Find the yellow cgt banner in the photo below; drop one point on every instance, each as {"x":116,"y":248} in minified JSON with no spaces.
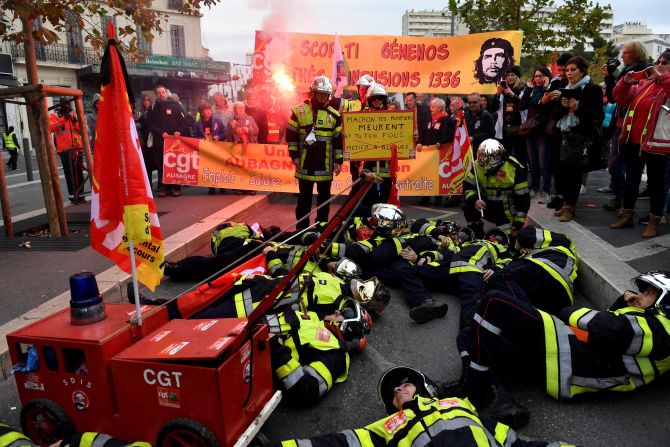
{"x":266,"y":167}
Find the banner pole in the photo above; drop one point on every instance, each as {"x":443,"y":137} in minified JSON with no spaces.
{"x":474,"y":170}
{"x":138,"y":308}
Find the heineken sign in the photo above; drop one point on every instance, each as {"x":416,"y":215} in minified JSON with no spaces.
{"x":183,"y":63}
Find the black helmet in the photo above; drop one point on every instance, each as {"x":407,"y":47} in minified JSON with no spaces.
{"x":465,"y":235}
{"x":497,"y":235}
{"x":399,"y":375}
{"x":450,"y":228}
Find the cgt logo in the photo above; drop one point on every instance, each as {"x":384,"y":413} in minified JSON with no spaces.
{"x":163,"y":378}
{"x":181,"y":162}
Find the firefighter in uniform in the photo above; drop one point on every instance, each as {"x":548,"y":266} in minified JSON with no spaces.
{"x":544,"y":274}
{"x":65,"y":127}
{"x":229,"y":242}
{"x":12,"y":146}
{"x":582,"y":350}
{"x":503,"y":183}
{"x":417,"y":416}
{"x":314,"y":138}
{"x":309,"y":355}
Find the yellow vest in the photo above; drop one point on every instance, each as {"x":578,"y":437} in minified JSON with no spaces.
{"x":9,"y":141}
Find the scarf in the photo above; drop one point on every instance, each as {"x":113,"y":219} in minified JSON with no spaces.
{"x":435,"y":118}
{"x":571,"y":120}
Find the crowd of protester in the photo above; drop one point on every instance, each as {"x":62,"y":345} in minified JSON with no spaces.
{"x":537,"y":118}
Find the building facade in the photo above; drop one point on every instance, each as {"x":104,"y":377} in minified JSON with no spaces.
{"x":440,"y":24}
{"x":655,"y":44}
{"x":176,"y":59}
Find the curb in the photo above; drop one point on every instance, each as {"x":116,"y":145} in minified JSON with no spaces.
{"x":602,"y":273}
{"x":112,"y":282}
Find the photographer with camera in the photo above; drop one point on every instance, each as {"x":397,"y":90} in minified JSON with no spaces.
{"x":634,"y":57}
{"x":508,"y":122}
{"x":65,"y":127}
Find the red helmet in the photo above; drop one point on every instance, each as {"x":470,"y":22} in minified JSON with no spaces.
{"x":351,"y":330}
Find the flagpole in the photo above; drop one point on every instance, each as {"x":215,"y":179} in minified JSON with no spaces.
{"x":138,"y":307}
{"x":474,"y":170}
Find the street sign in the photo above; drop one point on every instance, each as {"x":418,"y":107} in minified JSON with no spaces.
{"x":184,"y":63}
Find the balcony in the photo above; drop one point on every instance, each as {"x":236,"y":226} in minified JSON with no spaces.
{"x":62,"y":53}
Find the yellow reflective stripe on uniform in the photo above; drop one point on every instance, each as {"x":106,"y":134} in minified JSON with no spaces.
{"x":551,"y":354}
{"x":321,"y":373}
{"x":351,"y":438}
{"x":243,"y":303}
{"x":480,"y":435}
{"x":87,"y":439}
{"x":398,"y":244}
{"x":15,"y":439}
{"x":289,"y":443}
{"x":501,"y":434}
{"x":290,"y":379}
{"x":99,"y":440}
{"x":140,"y":444}
{"x":558,"y":273}
{"x":576,"y":319}
{"x":274,"y":264}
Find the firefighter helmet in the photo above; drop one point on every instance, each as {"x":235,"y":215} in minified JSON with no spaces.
{"x":366,"y":80}
{"x":399,"y":375}
{"x":491,"y":154}
{"x":371,"y":293}
{"x":347,"y":269}
{"x":659,"y":281}
{"x":354,"y":326}
{"x":497,"y":235}
{"x":389,"y":217}
{"x":321,"y":84}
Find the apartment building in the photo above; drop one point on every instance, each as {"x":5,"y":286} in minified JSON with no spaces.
{"x":176,"y":58}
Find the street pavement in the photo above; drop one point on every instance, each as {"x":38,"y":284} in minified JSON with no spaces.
{"x":603,"y":420}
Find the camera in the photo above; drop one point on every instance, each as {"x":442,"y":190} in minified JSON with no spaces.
{"x":503,"y":84}
{"x":612,"y":65}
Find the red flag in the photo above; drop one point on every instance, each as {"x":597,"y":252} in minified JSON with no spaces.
{"x":122,"y":205}
{"x":455,"y":160}
{"x":394,"y":196}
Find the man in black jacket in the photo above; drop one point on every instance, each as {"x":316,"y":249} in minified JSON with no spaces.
{"x":480,"y":122}
{"x":422,"y":113}
{"x":167,"y":118}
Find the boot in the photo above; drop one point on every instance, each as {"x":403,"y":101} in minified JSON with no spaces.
{"x":625,"y":221}
{"x":568,"y":213}
{"x":429,"y":309}
{"x":652,"y":227}
{"x":558,"y":212}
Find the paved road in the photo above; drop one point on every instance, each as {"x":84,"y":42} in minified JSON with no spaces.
{"x":638,"y":418}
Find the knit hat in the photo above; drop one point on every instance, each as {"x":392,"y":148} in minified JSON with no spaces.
{"x":544,"y":70}
{"x":514,"y":69}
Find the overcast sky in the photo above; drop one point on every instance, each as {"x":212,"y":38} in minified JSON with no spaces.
{"x":228,"y":28}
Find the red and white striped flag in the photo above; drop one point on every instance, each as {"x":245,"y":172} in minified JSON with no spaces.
{"x":122,"y":205}
{"x":455,"y":160}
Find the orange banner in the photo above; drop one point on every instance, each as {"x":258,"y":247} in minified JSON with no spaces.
{"x":461,"y":64}
{"x":266,"y":167}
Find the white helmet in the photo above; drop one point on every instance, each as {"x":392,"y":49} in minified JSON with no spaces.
{"x":491,"y":154}
{"x":376,"y":90}
{"x":389,"y":217}
{"x":365,"y":80}
{"x":347,"y":269}
{"x":659,"y":281}
{"x":321,"y":84}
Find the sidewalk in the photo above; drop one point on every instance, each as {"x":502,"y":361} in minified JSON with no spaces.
{"x":35,"y":283}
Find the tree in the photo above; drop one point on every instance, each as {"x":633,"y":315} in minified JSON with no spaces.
{"x":581,"y":20}
{"x":40,"y":21}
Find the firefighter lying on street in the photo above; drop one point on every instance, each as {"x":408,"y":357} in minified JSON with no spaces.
{"x":582,"y":350}
{"x":13,"y":438}
{"x":229,"y":242}
{"x":418,"y":417}
{"x":321,"y":292}
{"x":545,"y":272}
{"x":503,"y":184}
{"x":310,"y":355}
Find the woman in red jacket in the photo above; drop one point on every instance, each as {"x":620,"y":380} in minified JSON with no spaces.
{"x":645,"y":137}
